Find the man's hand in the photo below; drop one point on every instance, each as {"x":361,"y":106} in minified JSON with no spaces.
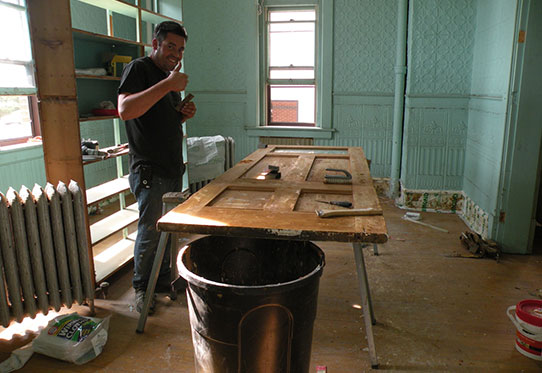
{"x":177,"y":81}
{"x":188,"y":110}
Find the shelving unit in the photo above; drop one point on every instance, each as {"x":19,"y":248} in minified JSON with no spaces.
{"x":95,"y":118}
{"x":99,"y":77}
{"x":107,"y":190}
{"x":108,"y":27}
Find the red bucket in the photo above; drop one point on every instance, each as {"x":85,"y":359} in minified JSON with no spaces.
{"x":528,"y":321}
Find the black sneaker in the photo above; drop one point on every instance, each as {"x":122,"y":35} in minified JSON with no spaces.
{"x":140,"y":300}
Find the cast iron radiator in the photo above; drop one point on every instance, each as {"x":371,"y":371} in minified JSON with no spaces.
{"x":202,"y":170}
{"x":45,"y":261}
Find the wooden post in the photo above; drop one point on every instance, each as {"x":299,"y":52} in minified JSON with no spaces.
{"x":52,"y":47}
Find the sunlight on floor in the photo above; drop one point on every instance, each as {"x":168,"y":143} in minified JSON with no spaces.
{"x":27,"y":325}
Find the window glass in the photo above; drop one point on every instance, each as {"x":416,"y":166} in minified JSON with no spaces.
{"x":291,"y":44}
{"x":291,"y":54}
{"x":16,"y":73}
{"x":15,"y":119}
{"x":14,"y":36}
{"x":291,"y":104}
{"x":288,"y":73}
{"x":292,"y":15}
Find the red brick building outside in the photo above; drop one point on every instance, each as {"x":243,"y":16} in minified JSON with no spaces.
{"x":284,"y":111}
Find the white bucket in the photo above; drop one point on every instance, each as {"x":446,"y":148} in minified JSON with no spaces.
{"x":528,"y":321}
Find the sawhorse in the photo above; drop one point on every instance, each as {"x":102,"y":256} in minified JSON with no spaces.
{"x":169,"y":201}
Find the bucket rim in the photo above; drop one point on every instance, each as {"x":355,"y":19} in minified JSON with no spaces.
{"x":524,"y":315}
{"x":200,"y":281}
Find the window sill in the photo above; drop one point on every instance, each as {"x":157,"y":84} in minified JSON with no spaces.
{"x":283,"y":131}
{"x":19,"y":147}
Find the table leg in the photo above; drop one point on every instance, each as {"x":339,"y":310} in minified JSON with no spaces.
{"x":366,"y":304}
{"x":153,"y":278}
{"x":173,"y":251}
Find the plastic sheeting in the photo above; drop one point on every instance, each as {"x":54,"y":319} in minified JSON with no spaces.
{"x":206,"y":157}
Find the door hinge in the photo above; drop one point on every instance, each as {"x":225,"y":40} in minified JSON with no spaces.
{"x":502,"y":216}
{"x":521,"y":36}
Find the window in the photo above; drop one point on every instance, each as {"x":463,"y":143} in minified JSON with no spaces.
{"x":290,"y":72}
{"x":17,"y":88}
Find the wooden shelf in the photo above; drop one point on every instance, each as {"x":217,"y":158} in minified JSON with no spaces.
{"x":85,"y":43}
{"x":155,"y":18}
{"x":100,"y":117}
{"x":87,"y":35}
{"x":114,"y":257}
{"x":107,"y":190}
{"x":113,"y":223}
{"x":98,"y":77}
{"x":116,"y":6}
{"x":112,"y":155}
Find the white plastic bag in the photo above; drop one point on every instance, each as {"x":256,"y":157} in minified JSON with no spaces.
{"x":73,"y":338}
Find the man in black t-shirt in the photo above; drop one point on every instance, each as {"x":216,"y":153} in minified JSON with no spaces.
{"x":149,"y":103}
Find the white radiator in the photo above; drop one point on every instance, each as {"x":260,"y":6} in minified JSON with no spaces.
{"x":45,"y":261}
{"x":202,"y":168}
{"x":286,"y":141}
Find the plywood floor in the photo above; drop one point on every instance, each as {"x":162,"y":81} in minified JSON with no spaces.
{"x":434,"y":313}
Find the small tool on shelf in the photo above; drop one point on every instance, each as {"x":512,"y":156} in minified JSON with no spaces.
{"x":346,"y":204}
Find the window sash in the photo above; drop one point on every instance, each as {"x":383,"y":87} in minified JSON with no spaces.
{"x":15,"y":82}
{"x":289,"y":81}
{"x":24,"y":83}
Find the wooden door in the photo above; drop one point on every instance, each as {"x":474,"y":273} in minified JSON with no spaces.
{"x":244,"y":202}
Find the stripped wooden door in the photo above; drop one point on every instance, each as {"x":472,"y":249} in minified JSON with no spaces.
{"x":245,"y":202}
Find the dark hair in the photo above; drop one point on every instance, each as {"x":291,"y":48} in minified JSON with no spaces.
{"x":161,"y":30}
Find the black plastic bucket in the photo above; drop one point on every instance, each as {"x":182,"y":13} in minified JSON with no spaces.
{"x":252,"y":303}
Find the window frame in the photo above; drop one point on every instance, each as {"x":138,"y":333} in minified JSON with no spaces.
{"x":267,"y":82}
{"x":34,"y":123}
{"x":30,"y":92}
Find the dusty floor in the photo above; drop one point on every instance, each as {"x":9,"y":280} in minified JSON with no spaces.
{"x":434,"y":313}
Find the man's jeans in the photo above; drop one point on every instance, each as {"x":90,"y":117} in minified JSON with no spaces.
{"x":150,"y":210}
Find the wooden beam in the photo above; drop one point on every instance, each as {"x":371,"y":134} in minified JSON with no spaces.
{"x":52,"y":47}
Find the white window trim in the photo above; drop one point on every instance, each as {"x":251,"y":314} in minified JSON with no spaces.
{"x":324,"y":80}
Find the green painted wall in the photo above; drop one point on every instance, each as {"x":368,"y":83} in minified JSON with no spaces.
{"x":221,"y":54}
{"x":523,"y":144}
{"x":440,"y":48}
{"x":23,"y":166}
{"x":221,"y":50}
{"x":363,"y":78}
{"x":493,"y":45}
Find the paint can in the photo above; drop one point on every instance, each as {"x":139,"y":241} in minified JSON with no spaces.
{"x":527,"y":317}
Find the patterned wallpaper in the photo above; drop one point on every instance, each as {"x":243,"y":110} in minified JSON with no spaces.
{"x":364,"y":45}
{"x":217,"y":61}
{"x":440,"y":46}
{"x":221,"y":35}
{"x":493,"y":41}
